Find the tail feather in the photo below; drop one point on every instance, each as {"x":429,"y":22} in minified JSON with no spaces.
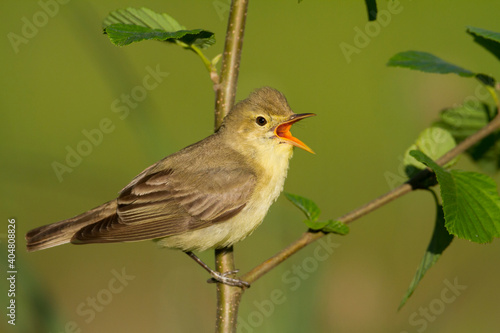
{"x":61,"y":232}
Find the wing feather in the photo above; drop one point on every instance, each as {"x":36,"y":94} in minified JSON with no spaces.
{"x":171,"y":201}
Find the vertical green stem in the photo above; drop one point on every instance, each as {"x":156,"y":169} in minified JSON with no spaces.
{"x":226,"y":90}
{"x":228,"y":298}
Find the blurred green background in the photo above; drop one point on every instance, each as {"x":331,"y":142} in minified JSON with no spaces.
{"x":66,"y":77}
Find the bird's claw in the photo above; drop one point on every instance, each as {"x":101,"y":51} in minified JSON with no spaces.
{"x":223,"y":278}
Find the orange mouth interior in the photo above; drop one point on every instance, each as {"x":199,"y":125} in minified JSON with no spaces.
{"x":283,"y":131}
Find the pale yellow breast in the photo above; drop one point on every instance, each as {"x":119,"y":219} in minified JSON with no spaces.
{"x":274,"y":164}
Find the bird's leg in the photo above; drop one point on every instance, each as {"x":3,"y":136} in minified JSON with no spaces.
{"x":219,"y":277}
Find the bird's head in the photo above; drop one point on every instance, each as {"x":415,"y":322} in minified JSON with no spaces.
{"x":264,"y":120}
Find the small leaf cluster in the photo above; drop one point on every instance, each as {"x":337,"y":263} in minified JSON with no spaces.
{"x":470,"y":207}
{"x":126,"y":26}
{"x":130,"y":25}
{"x":312,"y":212}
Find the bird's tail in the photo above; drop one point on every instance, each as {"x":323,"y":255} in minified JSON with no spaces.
{"x":62,"y":232}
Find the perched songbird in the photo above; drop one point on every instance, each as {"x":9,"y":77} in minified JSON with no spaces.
{"x":211,"y":194}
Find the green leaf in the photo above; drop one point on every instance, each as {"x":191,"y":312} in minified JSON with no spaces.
{"x":478,"y":216}
{"x":490,"y":40}
{"x":371,"y":8}
{"x":427,"y":62}
{"x":125,"y":34}
{"x":144,"y":17}
{"x":491,"y":35}
{"x":336,"y":227}
{"x":312,"y":211}
{"x":471,"y":202}
{"x":329,"y":226}
{"x":440,"y":240}
{"x":308,"y":207}
{"x":486,"y":80}
{"x":125,"y":26}
{"x":203,"y":39}
{"x":434,"y":142}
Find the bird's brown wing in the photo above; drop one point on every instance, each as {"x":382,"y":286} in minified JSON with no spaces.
{"x":173,"y":201}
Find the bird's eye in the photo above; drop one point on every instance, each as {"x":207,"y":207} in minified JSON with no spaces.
{"x":261,"y":121}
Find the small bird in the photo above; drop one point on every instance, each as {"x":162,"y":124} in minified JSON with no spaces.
{"x":208,"y":195}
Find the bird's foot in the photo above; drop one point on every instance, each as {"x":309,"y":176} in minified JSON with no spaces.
{"x":224,"y":278}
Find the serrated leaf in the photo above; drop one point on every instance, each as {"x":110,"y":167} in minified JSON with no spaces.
{"x":308,"y":207}
{"x":125,"y":34}
{"x":440,"y":240}
{"x":125,"y":26}
{"x":476,"y":194}
{"x":434,"y":142}
{"x":427,"y":62}
{"x":490,"y":40}
{"x":471,"y":202}
{"x":144,"y":17}
{"x":329,"y":226}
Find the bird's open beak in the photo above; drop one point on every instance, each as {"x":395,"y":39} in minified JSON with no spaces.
{"x":283,"y":131}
